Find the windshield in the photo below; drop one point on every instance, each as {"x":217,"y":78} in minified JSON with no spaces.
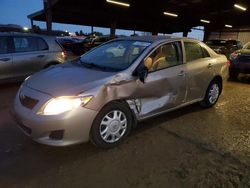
{"x":117,"y":55}
{"x":247,"y":46}
{"x":216,"y":43}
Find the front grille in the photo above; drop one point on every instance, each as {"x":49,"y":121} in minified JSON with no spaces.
{"x":28,"y":102}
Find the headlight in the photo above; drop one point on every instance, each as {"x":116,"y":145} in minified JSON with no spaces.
{"x":63,"y":104}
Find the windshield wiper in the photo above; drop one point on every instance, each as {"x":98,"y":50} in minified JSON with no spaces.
{"x":93,"y":65}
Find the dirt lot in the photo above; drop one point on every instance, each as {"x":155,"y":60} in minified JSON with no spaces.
{"x":190,"y":147}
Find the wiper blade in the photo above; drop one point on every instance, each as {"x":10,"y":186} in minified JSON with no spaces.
{"x":93,"y":65}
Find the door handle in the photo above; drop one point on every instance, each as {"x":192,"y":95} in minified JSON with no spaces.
{"x":182,"y":73}
{"x":40,"y":56}
{"x":5,"y":59}
{"x":209,"y":65}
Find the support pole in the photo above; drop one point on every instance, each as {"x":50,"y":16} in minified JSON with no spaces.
{"x":112,"y":30}
{"x":31,"y":23}
{"x":206,"y":34}
{"x":48,"y":13}
{"x":154,"y":33}
{"x":92,"y":30}
{"x":185,"y":33}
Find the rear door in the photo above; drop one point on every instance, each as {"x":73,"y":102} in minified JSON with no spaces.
{"x":6,"y":67}
{"x":30,"y":54}
{"x":199,"y":69}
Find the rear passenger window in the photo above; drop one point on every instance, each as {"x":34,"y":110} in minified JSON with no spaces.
{"x":42,"y":45}
{"x":25,"y":44}
{"x":194,"y":51}
{"x":3,"y":45}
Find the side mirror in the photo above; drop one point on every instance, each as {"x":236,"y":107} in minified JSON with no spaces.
{"x":142,"y":73}
{"x":143,"y":70}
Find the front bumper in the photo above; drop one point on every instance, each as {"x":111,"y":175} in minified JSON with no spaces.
{"x":58,"y":130}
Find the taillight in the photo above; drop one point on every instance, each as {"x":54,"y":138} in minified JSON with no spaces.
{"x":64,"y":54}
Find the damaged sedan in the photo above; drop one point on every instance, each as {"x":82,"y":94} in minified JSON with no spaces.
{"x":103,"y":94}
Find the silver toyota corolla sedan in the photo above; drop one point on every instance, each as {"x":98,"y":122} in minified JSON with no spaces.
{"x":101,"y":95}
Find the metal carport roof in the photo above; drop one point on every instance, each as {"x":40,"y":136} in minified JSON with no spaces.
{"x":147,"y":15}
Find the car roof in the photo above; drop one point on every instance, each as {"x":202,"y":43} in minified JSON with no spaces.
{"x":24,"y":34}
{"x":151,"y":38}
{"x":157,"y":39}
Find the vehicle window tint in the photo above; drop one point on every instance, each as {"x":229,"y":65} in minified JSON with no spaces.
{"x":25,"y":44}
{"x":165,"y":56}
{"x":3,"y":45}
{"x":193,"y":51}
{"x":42,"y":45}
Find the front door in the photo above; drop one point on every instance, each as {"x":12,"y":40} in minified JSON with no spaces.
{"x":165,"y":85}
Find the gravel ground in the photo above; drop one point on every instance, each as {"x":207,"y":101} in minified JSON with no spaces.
{"x":190,"y":147}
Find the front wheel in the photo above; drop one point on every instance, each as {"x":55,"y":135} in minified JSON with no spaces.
{"x":212,"y":94}
{"x":111,"y":126}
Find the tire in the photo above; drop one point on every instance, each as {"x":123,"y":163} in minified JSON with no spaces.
{"x":111,"y":125}
{"x":212,"y":94}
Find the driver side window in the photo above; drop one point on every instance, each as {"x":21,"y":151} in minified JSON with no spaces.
{"x":166,"y":56}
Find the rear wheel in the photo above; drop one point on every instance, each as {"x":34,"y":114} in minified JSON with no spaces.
{"x":212,"y":94}
{"x":111,"y":126}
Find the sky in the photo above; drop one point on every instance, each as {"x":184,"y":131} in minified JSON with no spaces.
{"x":16,"y":11}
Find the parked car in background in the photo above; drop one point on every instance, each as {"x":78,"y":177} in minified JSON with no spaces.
{"x":225,"y":47}
{"x":23,"y":54}
{"x":75,"y":47}
{"x":98,"y":40}
{"x":101,"y":95}
{"x":240,"y":61}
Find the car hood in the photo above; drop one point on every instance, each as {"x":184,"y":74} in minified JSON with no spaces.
{"x":244,"y":51}
{"x":68,"y":79}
